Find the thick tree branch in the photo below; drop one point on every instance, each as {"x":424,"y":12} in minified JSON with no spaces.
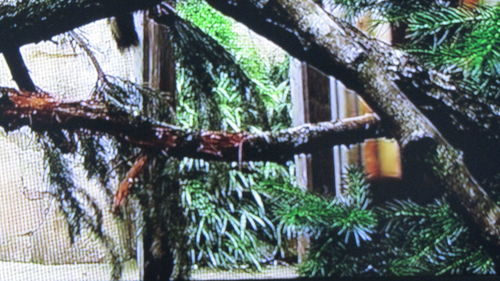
{"x":468,"y":123}
{"x":33,"y":21}
{"x":43,"y":113}
{"x":395,"y":87}
{"x":390,"y":82}
{"x":18,"y":69}
{"x":308,"y":33}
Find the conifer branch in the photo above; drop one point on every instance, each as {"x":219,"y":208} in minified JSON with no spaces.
{"x":41,"y":112}
{"x":397,"y":88}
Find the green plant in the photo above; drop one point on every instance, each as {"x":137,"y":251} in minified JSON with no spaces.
{"x":431,"y":239}
{"x":460,"y":41}
{"x":224,"y":86}
{"x":228,"y":217}
{"x":338,"y":227}
{"x":402,"y":238}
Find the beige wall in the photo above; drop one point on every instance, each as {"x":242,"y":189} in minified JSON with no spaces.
{"x":33,"y":230}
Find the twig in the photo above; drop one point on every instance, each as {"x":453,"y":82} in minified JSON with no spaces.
{"x":33,"y":195}
{"x":126,"y":183}
{"x":46,"y":212}
{"x":85,"y":47}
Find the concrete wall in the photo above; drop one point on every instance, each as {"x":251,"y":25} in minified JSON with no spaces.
{"x":31,"y":228}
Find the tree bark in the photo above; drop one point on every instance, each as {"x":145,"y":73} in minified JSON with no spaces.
{"x":336,"y":48}
{"x":308,"y":33}
{"x":18,"y":69}
{"x":43,"y":113}
{"x":34,"y":21}
{"x":398,"y":89}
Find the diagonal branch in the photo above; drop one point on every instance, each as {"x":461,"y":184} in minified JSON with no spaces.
{"x":34,"y":21}
{"x":394,"y":86}
{"x":307,"y":32}
{"x":43,"y":113}
{"x":397,"y":88}
{"x":18,"y":69}
{"x":130,"y":178}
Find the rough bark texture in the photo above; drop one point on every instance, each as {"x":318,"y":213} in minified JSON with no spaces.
{"x":307,"y":32}
{"x":394,"y":87}
{"x":41,"y":112}
{"x":304,"y":30}
{"x":399,"y":90}
{"x":33,"y":21}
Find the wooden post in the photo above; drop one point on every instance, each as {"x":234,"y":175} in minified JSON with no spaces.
{"x":154,"y":256}
{"x":311,"y":103}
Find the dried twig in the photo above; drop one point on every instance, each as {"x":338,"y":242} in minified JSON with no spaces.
{"x":126,"y":183}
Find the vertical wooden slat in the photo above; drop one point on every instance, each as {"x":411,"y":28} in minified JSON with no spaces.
{"x":311,"y":103}
{"x":155,"y":259}
{"x":318,"y":93}
{"x":337,"y":112}
{"x":300,"y":109}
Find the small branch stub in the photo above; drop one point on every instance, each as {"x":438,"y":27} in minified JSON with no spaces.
{"x":130,"y":178}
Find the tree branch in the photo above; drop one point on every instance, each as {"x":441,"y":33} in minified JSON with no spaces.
{"x":398,"y":89}
{"x":19,"y":71}
{"x":336,"y":48}
{"x":391,"y":83}
{"x":131,"y":176}
{"x":33,"y":21}
{"x":43,"y":113}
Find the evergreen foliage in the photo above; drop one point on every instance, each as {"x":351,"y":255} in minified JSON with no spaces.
{"x":339,"y":227}
{"x":80,"y":210}
{"x":430,"y":240}
{"x":400,"y":238}
{"x":226,"y":211}
{"x":460,"y":41}
{"x":107,"y":159}
{"x":228,"y":217}
{"x":241,"y":213}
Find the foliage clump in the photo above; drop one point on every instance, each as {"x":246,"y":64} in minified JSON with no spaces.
{"x":229,"y":87}
{"x":458,"y":40}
